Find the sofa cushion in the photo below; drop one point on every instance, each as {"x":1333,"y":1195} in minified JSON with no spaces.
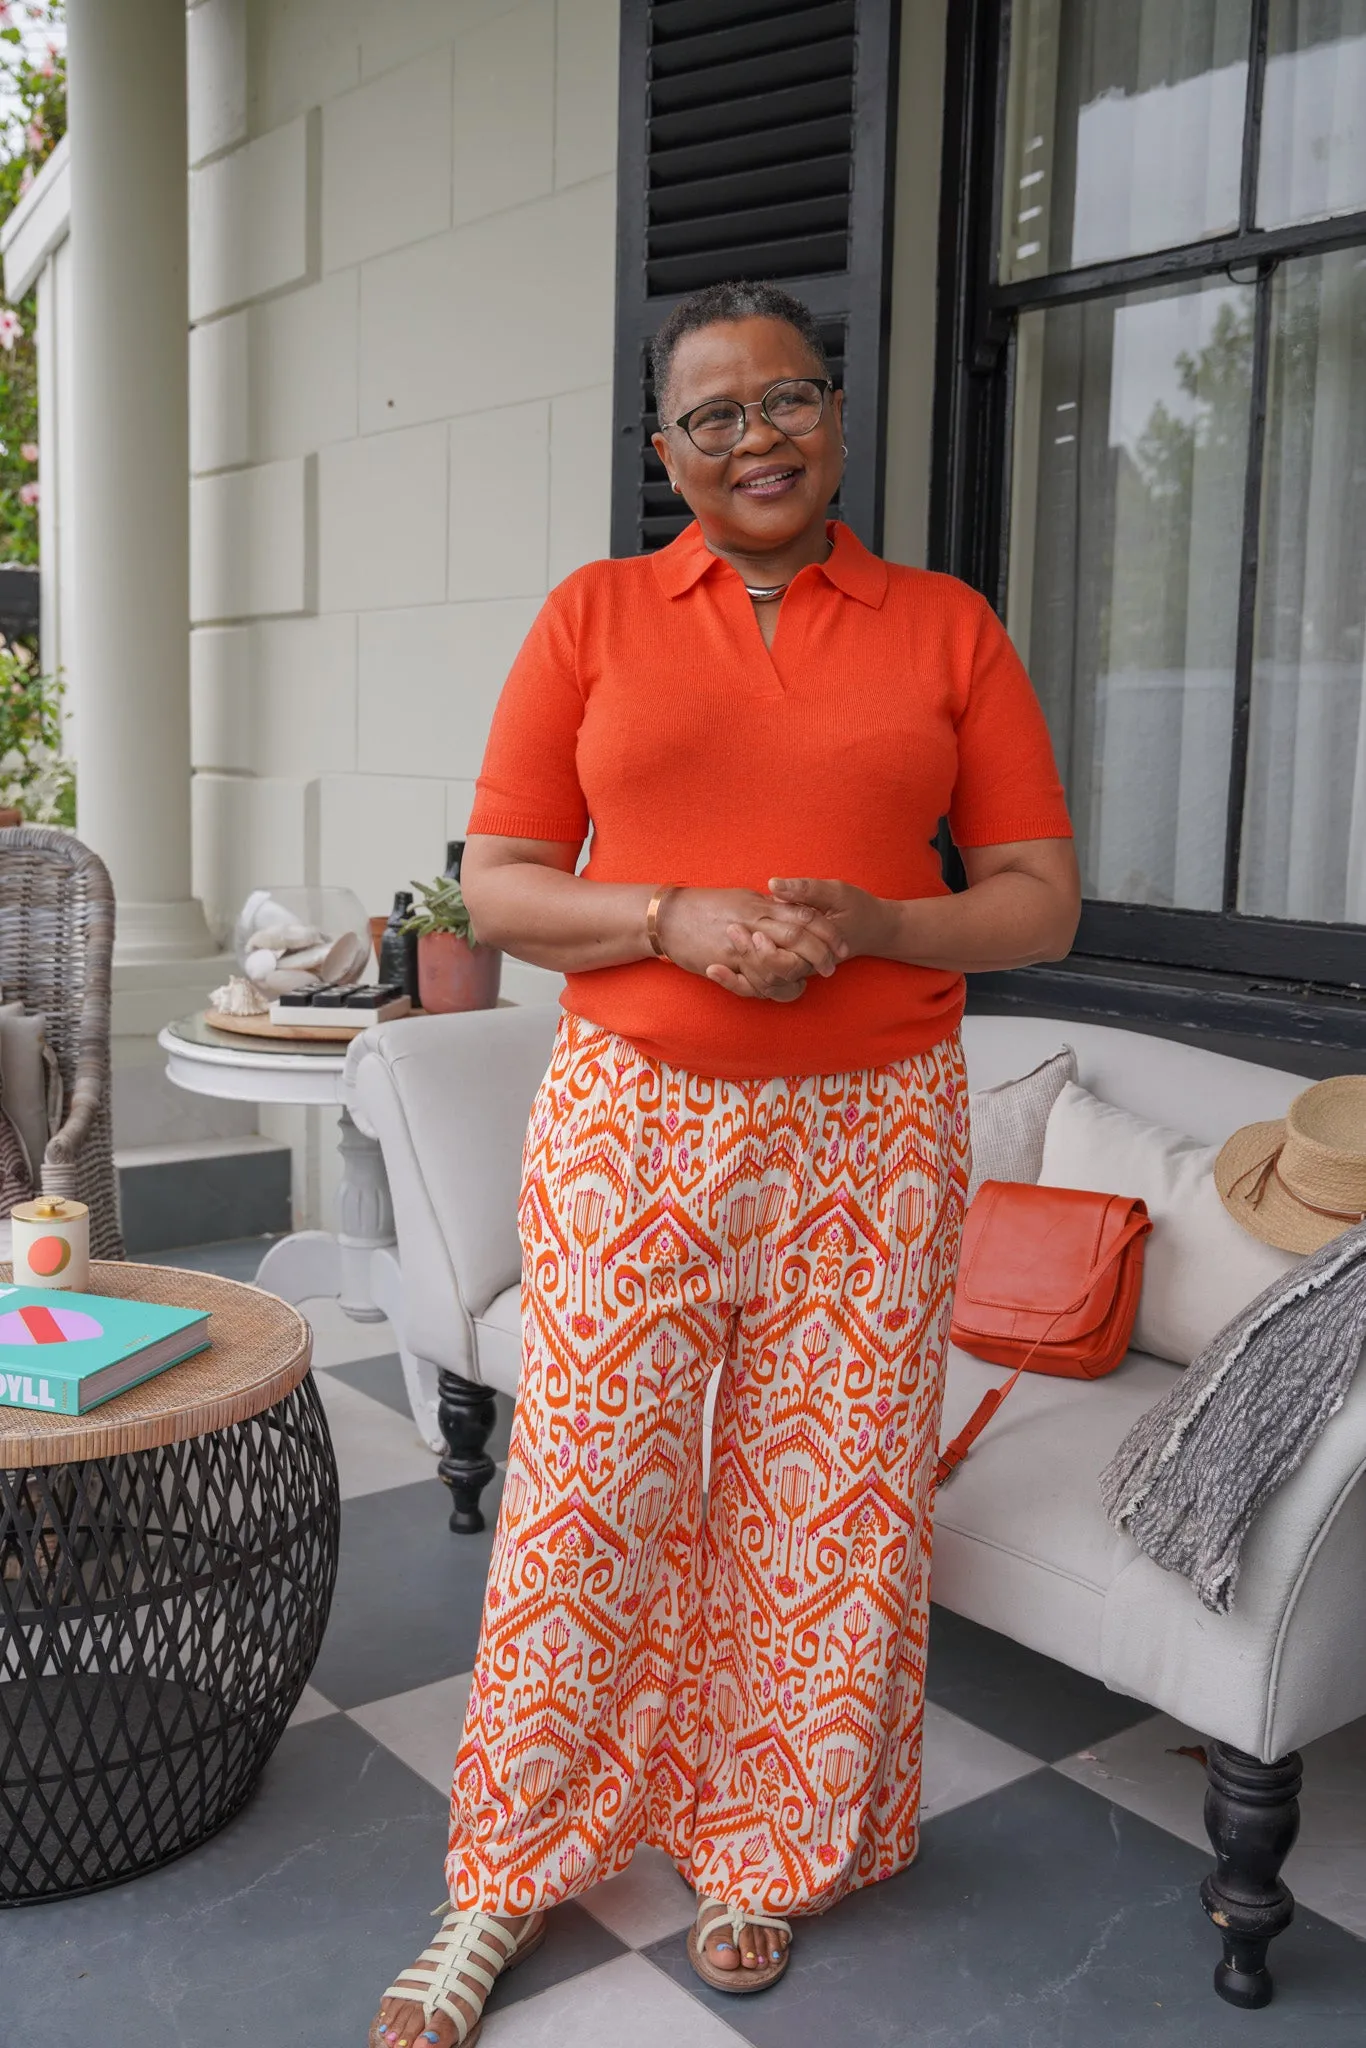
{"x":25,"y":1081}
{"x":1009,"y":1121}
{"x":1021,"y":1540}
{"x":1199,"y":1267}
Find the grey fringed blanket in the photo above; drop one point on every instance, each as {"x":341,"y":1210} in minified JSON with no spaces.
{"x":1192,"y":1473}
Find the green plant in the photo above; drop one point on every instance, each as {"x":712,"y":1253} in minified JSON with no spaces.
{"x":443,"y":910}
{"x":34,"y":779}
{"x":32,"y":123}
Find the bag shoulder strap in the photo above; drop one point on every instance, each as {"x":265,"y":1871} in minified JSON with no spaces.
{"x":953,"y":1454}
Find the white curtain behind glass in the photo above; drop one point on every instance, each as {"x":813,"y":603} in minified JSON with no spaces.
{"x":1304,"y":851}
{"x":1313,"y":156}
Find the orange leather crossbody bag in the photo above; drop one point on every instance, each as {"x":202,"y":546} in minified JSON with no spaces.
{"x":1048,"y":1281}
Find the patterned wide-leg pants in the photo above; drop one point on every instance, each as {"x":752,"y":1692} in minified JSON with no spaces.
{"x":740,"y":1682}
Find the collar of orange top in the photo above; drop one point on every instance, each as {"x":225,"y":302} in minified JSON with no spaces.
{"x":849,"y":566}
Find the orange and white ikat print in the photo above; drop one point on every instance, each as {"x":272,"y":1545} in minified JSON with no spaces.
{"x":742,"y":1685}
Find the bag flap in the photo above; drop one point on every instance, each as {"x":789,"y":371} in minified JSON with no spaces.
{"x":1029,"y":1255}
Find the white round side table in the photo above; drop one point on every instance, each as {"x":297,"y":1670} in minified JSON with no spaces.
{"x":307,"y":1263}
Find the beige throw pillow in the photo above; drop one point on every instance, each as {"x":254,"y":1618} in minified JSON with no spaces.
{"x":1008,"y":1121}
{"x":1199,"y":1267}
{"x":25,"y":1081}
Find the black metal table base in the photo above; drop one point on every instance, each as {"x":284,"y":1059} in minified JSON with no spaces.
{"x":160,"y":1612}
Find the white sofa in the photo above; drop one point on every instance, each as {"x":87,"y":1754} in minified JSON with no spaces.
{"x":1021,"y":1543}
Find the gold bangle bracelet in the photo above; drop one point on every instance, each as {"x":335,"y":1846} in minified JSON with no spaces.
{"x":652,"y":919}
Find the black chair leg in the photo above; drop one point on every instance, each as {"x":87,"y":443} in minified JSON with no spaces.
{"x":467,"y":1414}
{"x":1252,"y":1817}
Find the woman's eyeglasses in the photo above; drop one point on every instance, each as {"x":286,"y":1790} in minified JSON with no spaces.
{"x":793,"y":408}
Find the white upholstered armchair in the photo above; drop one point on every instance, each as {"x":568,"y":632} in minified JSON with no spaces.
{"x":1021,"y":1545}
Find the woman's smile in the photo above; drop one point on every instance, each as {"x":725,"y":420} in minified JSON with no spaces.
{"x":770,"y":479}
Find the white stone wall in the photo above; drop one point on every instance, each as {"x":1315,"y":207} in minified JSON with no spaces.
{"x":402,"y":281}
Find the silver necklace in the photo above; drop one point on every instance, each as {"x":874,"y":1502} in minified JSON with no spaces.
{"x":769,"y":593}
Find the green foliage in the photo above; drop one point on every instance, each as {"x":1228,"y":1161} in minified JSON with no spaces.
{"x":33,"y":81}
{"x":34,"y":779}
{"x":443,"y":910}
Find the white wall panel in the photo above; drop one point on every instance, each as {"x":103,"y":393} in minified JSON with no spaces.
{"x":220,"y":436}
{"x":500,"y":481}
{"x":386,"y":177}
{"x":516,"y":307}
{"x":249,"y":221}
{"x":580,"y":479}
{"x":505,"y":112}
{"x":587,"y":41}
{"x":247,"y":832}
{"x":276,"y":697}
{"x":302,"y":368}
{"x":377,"y":833}
{"x":303,"y":53}
{"x":216,"y":68}
{"x":393,"y":31}
{"x":382,"y":520}
{"x":251,"y":548}
{"x":429,"y":680}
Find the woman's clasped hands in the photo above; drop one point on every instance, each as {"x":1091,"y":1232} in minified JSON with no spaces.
{"x":770,"y":945}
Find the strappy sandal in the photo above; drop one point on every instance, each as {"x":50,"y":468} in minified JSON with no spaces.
{"x":470,"y":1946}
{"x":709,"y":1912}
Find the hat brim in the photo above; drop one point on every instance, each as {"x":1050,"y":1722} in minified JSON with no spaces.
{"x":1277,"y":1219}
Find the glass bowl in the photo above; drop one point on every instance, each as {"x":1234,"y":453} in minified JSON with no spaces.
{"x":296,"y":935}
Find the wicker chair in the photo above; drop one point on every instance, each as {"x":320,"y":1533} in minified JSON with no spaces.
{"x":56,"y":949}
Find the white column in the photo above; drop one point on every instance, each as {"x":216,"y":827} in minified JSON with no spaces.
{"x":129,"y":666}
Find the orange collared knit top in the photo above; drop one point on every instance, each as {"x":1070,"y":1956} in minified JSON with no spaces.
{"x":644,"y":703}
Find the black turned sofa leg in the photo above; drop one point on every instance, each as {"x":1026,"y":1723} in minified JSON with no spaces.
{"x":467,"y":1414}
{"x":1252,"y":1817}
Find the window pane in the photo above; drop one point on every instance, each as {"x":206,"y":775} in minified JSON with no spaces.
{"x":1313,"y":112}
{"x":1131,"y":420}
{"x":1304,"y":827}
{"x":1124,"y":128}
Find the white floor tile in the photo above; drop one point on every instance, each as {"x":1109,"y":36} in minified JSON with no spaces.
{"x":422,"y":1727}
{"x":376,"y":1446}
{"x":962,"y":1762}
{"x":646,"y":1902}
{"x":337,"y":1340}
{"x":1326,"y":1870}
{"x":312,"y":1706}
{"x":622,"y":2004}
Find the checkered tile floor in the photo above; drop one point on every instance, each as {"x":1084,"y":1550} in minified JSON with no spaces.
{"x":1053,"y":1906}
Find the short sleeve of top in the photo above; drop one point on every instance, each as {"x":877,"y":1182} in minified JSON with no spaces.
{"x":1007,"y":785}
{"x":529,"y":784}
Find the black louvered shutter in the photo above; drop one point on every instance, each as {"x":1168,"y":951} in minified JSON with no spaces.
{"x":756,"y":142}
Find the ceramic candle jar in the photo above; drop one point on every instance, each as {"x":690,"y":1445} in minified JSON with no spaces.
{"x":52,"y":1243}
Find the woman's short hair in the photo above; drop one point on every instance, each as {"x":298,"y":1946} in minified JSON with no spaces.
{"x":737,"y":300}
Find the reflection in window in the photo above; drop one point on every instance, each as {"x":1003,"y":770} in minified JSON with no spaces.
{"x":1313,"y":160}
{"x":1131,"y":423}
{"x":1304,"y":829}
{"x":1124,"y":128}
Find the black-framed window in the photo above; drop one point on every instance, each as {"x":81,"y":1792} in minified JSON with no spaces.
{"x":1152,"y":449}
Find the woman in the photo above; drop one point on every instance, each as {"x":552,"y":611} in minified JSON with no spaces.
{"x":750,"y":1151}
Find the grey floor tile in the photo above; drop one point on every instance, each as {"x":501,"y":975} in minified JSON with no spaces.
{"x":423,"y":1726}
{"x":645,"y":1901}
{"x":574,"y":1942}
{"x":624,"y":2004}
{"x":962,"y":1762}
{"x":409,"y":1595}
{"x":1039,"y":1917}
{"x":285,"y":1928}
{"x":235,"y":1259}
{"x":375,"y":1448}
{"x":1028,"y":1700}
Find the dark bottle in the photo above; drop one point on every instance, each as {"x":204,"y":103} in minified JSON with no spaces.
{"x":455,"y":853}
{"x":398,"y":949}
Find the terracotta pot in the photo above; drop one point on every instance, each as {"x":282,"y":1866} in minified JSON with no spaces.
{"x":454,"y":976}
{"x":8,"y":818}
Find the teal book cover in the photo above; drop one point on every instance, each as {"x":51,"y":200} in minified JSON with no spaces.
{"x":67,"y":1352}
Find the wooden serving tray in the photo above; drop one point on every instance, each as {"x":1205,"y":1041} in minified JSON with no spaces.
{"x":262,"y":1027}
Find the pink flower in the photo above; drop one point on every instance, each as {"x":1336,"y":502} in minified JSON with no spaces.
{"x":37,"y":136}
{"x":29,"y":451}
{"x":28,"y":493}
{"x":11,"y":328}
{"x":4,"y":13}
{"x":26,"y":177}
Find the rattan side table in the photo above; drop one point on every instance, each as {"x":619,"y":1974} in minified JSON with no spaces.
{"x":166,"y":1569}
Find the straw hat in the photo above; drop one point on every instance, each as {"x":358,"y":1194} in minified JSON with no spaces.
{"x":1300,"y":1182}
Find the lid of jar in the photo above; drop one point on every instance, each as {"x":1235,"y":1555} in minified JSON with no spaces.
{"x":49,"y":1209}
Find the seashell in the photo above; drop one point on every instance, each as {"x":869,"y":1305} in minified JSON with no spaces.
{"x":283,"y":981}
{"x":305,"y":956}
{"x":260,"y":962}
{"x":239,"y":998}
{"x":344,"y":958}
